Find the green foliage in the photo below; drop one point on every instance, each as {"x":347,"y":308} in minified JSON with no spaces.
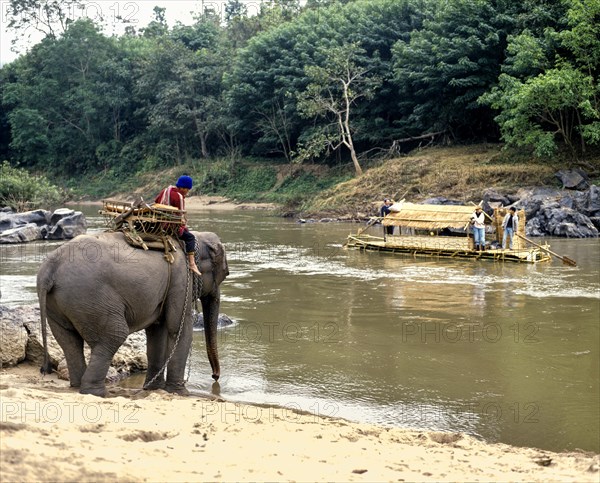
{"x":217,"y":177}
{"x":270,"y":73}
{"x":301,"y":186}
{"x":249,"y":182}
{"x":22,"y":191}
{"x":267,"y":83}
{"x":549,"y":94}
{"x":447,"y":64}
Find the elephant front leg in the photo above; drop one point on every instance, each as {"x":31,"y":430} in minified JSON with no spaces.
{"x":180,"y":348}
{"x":156,"y":350}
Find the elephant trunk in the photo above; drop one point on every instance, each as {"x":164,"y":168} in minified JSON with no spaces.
{"x":210,"y":309}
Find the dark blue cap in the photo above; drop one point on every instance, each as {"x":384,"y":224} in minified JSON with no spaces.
{"x":184,"y":182}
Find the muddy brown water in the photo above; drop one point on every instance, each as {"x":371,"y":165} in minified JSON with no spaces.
{"x":506,"y":352}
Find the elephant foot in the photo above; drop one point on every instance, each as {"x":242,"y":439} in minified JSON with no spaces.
{"x":158,"y":384}
{"x":95,"y":391}
{"x":177,"y":389}
{"x":154,"y":386}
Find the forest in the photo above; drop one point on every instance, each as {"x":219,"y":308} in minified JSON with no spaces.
{"x":319,"y":81}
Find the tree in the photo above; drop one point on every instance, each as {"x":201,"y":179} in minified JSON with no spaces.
{"x":49,"y":17}
{"x":271,"y":69}
{"x":445,"y":66}
{"x":332,"y":93}
{"x":158,"y":26}
{"x":549,"y":91}
{"x":276,"y":123}
{"x":66,"y":98}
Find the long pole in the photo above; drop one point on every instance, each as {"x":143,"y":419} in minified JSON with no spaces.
{"x":567,"y":260}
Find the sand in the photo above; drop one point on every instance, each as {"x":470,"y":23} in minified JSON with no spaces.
{"x":196,"y":203}
{"x":50,"y":432}
{"x":199,"y":203}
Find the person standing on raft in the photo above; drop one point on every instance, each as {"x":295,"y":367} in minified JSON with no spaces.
{"x":175,"y":196}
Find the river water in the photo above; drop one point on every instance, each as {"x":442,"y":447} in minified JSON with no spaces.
{"x":506,"y":352}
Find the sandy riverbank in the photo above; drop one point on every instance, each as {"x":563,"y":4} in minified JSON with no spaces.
{"x":49,"y":432}
{"x":196,"y":203}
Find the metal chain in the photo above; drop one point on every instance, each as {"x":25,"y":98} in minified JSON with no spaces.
{"x":181,"y":324}
{"x":197,"y":293}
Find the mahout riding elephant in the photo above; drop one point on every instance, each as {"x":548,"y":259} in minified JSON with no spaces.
{"x":98,"y":289}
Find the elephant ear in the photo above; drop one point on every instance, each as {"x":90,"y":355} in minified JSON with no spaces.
{"x":219,"y":260}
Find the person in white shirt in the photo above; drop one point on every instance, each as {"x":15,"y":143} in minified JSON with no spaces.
{"x":478,"y":222}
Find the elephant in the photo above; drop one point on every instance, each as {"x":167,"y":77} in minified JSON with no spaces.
{"x":98,"y":289}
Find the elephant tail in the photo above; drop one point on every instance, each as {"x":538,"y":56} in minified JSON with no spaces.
{"x":44,"y":285}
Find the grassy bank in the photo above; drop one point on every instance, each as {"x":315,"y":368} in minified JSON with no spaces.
{"x":460,"y":173}
{"x":288,"y":185}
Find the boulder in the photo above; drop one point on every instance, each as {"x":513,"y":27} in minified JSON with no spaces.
{"x":30,"y":318}
{"x":440,"y":200}
{"x":59,"y":214}
{"x":39,"y":217}
{"x":589,"y":202}
{"x":494,"y":198}
{"x":222,"y":321}
{"x":131,"y":356}
{"x":7,"y":221}
{"x":534,"y":227}
{"x":595,"y":221}
{"x":62,"y":224}
{"x":10,"y":220}
{"x":21,"y":234}
{"x":569,"y":223}
{"x":13,"y":338}
{"x":68,"y":227}
{"x":573,"y":179}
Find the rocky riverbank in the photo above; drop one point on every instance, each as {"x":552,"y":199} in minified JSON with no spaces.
{"x":60,"y":224}
{"x":21,"y":341}
{"x":550,"y":211}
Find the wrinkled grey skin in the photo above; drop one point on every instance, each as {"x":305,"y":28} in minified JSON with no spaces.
{"x":98,"y":289}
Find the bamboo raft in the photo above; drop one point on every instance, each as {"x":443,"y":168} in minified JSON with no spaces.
{"x":443,"y":231}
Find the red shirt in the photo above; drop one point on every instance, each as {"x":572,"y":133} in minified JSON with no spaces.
{"x":171,"y":196}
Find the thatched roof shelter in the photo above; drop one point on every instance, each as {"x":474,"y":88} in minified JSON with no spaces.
{"x":429,"y":217}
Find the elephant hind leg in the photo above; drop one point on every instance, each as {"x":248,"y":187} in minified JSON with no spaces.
{"x":72,"y":345}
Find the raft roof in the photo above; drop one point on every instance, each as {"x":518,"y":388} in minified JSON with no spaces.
{"x":429,"y":217}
